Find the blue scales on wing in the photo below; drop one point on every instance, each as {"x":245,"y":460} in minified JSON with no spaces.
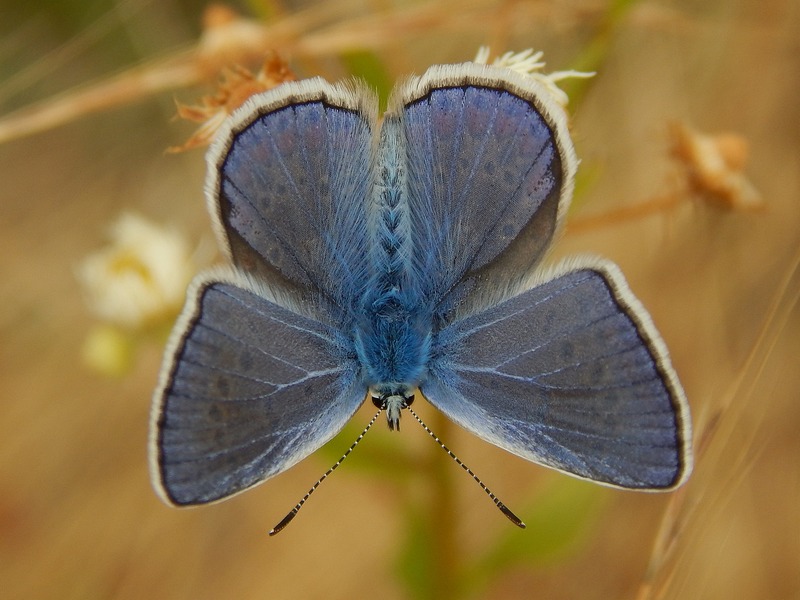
{"x":487,"y":179}
{"x":254,"y":389}
{"x":289,"y":183}
{"x":569,"y":374}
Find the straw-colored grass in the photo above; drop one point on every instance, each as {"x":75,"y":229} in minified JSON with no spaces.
{"x":85,"y":119}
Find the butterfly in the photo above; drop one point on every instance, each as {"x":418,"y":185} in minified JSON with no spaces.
{"x":392,"y":258}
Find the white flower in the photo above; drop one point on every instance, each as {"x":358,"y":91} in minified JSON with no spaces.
{"x":529,"y":63}
{"x":141,"y":277}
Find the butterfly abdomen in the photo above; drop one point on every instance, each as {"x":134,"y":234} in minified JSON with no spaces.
{"x":393,"y":329}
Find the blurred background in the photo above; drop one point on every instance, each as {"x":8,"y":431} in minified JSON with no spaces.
{"x":690,"y":180}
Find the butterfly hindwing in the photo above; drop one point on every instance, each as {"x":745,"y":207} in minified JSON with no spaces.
{"x":570,"y":374}
{"x":248,"y":389}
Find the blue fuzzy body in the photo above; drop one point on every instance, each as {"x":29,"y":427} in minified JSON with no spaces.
{"x":393,"y":327}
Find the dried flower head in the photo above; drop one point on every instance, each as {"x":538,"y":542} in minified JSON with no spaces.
{"x":141,"y":277}
{"x":530,"y":64}
{"x":714,"y":166}
{"x":237,"y":85}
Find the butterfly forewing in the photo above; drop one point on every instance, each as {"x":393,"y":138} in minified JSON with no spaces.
{"x":288,"y":182}
{"x":489,"y":175}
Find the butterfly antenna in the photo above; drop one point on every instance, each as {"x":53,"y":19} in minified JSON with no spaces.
{"x":498,"y":503}
{"x":292,"y":513}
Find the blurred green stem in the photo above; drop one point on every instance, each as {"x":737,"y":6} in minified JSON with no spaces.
{"x":595,"y":53}
{"x":445,"y":555}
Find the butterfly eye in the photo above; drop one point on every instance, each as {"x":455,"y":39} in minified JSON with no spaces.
{"x":381,"y":400}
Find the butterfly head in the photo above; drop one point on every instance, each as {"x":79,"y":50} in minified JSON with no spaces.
{"x":392,"y":399}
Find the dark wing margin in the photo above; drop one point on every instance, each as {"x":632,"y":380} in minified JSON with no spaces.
{"x":288,"y":185}
{"x":570,"y":374}
{"x":248,"y":389}
{"x":490,"y":168}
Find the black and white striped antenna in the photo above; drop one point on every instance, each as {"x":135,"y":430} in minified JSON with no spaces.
{"x":497,"y":502}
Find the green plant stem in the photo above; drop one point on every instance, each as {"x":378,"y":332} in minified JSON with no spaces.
{"x":596,"y":52}
{"x":446,"y":557}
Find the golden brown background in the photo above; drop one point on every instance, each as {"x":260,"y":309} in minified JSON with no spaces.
{"x":78,"y":518}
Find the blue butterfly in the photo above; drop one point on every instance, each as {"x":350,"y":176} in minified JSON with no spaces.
{"x":386,"y":259}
